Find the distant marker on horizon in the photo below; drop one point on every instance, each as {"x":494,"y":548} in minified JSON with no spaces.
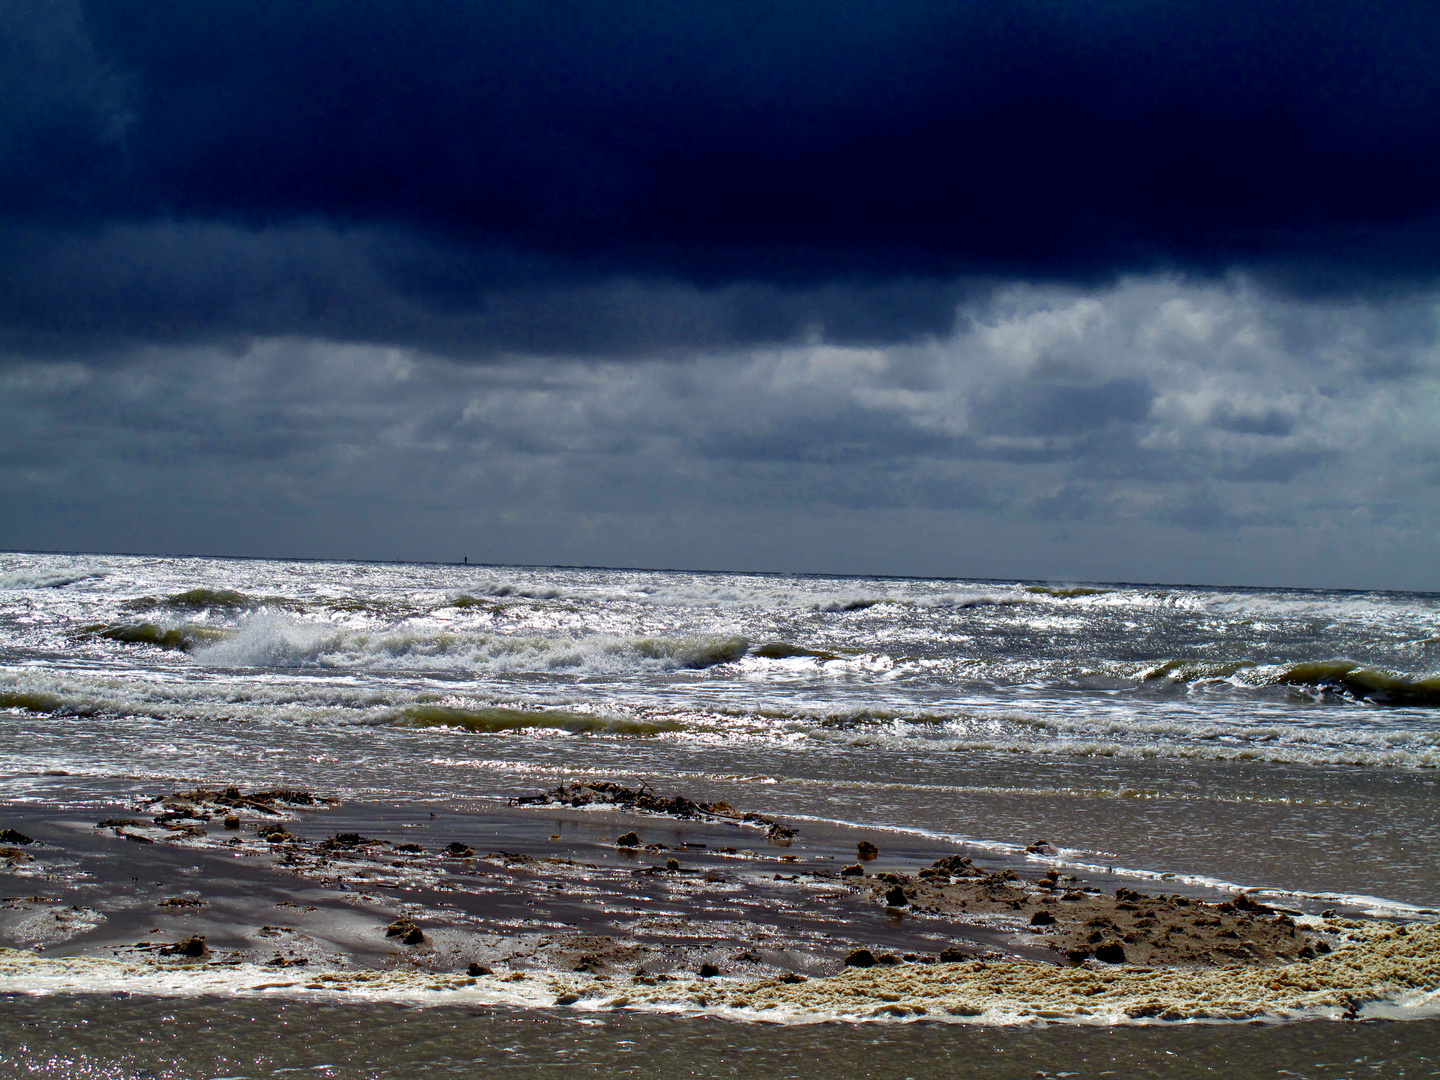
{"x":467,"y":560}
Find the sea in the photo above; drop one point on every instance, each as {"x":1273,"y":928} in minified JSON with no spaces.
{"x":1283,"y":740}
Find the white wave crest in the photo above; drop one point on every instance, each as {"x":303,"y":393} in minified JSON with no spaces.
{"x":504,"y":589}
{"x":48,"y":579}
{"x":276,"y":641}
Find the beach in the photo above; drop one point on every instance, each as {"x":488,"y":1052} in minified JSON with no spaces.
{"x":553,"y":539}
{"x":750,"y":816}
{"x":186,"y":956}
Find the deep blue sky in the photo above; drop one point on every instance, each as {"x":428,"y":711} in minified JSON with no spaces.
{"x":1120,"y":290}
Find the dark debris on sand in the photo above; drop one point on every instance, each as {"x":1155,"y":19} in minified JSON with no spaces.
{"x":217,"y":802}
{"x":187,"y":812}
{"x":407,"y":931}
{"x":1082,"y":923}
{"x":192,"y":947}
{"x":609,"y":793}
{"x":741,"y":912}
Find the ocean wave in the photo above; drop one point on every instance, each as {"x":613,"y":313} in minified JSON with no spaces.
{"x":383,"y":607}
{"x":48,"y":579}
{"x":36,"y":701}
{"x":1346,"y":679}
{"x":1055,"y":733}
{"x":199,"y":599}
{"x":497,"y":720}
{"x":752,"y":595}
{"x":182,"y":638}
{"x":271,"y":641}
{"x":1374,"y":685}
{"x":1066,"y":592}
{"x":303,"y":701}
{"x":957,"y":601}
{"x":852,"y":603}
{"x":1068,"y":733}
{"x":466,"y":602}
{"x":1190,"y":671}
{"x":1097,"y":745}
{"x":973,"y":600}
{"x":474,"y":594}
{"x":783,"y":650}
{"x":327,"y":706}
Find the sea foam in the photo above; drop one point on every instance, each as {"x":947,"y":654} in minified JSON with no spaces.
{"x":1382,"y":973}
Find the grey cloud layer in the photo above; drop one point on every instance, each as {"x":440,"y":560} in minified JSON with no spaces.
{"x":1100,"y":434}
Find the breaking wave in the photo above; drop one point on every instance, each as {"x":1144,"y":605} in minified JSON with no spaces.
{"x":268,"y":641}
{"x":955,"y":601}
{"x":973,"y":600}
{"x":1363,"y":683}
{"x":1345,"y":679}
{"x":181,"y":638}
{"x":201,"y":599}
{"x":853,"y":603}
{"x":36,"y":579}
{"x":496,"y":589}
{"x":1123,"y":734}
{"x":1097,"y":745}
{"x":784,"y":650}
{"x":1067,"y":592}
{"x":31,"y":701}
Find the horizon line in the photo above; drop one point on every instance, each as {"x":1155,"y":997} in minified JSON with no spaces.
{"x":681,"y":570}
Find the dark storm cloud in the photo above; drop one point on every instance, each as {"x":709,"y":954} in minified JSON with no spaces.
{"x":169,"y":281}
{"x":570,"y":176}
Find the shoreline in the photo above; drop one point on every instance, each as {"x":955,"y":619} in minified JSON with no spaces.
{"x":62,"y":1038}
{"x":541,"y":906}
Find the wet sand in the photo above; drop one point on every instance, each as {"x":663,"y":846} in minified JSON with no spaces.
{"x":683,"y":892}
{"x":605,"y":907}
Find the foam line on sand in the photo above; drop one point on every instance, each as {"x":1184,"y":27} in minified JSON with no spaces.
{"x":1383,"y":972}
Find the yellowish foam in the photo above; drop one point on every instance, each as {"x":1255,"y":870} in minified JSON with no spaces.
{"x":1382,"y":971}
{"x":1398,"y":969}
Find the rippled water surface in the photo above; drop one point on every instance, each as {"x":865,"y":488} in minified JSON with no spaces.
{"x":76,"y":1038}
